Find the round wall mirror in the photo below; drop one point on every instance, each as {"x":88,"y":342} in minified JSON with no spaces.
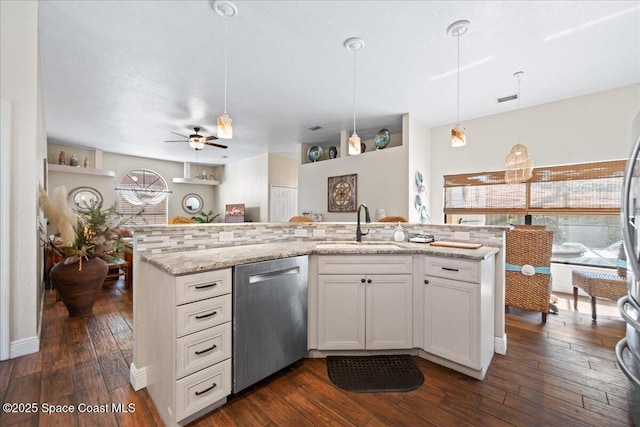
{"x":83,"y":198}
{"x":192,"y":203}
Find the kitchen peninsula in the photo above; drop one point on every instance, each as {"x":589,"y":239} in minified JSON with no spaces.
{"x":429,"y":295}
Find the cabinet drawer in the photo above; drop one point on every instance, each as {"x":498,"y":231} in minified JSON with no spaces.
{"x":452,"y":268}
{"x":199,"y":286}
{"x":203,"y":349}
{"x":199,"y":390}
{"x":200,"y":315}
{"x":365,"y":264}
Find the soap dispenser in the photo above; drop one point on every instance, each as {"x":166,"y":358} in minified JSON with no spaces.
{"x":398,"y":235}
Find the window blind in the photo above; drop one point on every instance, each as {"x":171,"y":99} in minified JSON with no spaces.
{"x":586,"y":188}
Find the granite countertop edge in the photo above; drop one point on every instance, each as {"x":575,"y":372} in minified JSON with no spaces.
{"x":194,"y":261}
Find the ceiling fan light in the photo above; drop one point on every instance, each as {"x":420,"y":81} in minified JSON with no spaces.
{"x":458,"y":136}
{"x":197,"y":143}
{"x":354,"y":145}
{"x":225,"y":127}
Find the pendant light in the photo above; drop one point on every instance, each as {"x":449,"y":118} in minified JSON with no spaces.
{"x":226,"y":9}
{"x":458,"y":136}
{"x":354,"y":44}
{"x":519,"y":163}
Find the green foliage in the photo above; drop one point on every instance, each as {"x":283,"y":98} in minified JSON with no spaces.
{"x":203,"y":217}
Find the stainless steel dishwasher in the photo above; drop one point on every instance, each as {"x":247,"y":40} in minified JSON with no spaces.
{"x":269,"y":318}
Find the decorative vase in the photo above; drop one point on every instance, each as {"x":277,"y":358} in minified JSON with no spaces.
{"x":79,"y":289}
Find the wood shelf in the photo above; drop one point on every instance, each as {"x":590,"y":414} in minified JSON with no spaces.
{"x":76,"y":169}
{"x":195,"y":181}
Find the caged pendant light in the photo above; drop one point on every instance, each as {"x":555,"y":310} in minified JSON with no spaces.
{"x":354,"y":44}
{"x":519,"y":163}
{"x":226,"y":9}
{"x":458,"y":136}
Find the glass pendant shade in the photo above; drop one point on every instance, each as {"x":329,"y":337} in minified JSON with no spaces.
{"x":225,"y":128}
{"x":354,"y":145}
{"x":458,"y":136}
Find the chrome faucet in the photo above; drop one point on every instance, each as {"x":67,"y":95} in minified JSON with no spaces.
{"x":359,"y":232}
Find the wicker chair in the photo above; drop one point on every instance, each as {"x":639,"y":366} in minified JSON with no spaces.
{"x":601,"y":285}
{"x":180,"y":220}
{"x":528,"y":270}
{"x":300,"y":219}
{"x":393,"y":219}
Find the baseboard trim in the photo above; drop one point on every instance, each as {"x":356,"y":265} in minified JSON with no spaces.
{"x":24,"y":346}
{"x":137,"y":377}
{"x":500,"y":344}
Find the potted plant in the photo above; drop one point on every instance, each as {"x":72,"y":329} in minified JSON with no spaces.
{"x":84,"y":241}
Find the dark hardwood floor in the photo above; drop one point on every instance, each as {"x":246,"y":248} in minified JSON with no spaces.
{"x":563,"y":373}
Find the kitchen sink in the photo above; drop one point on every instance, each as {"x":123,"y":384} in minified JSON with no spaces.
{"x":358,"y":245}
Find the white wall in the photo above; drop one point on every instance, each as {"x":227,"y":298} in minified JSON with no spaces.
{"x":122,"y":164}
{"x":283,"y":171}
{"x":418,"y":139}
{"x":19,"y":83}
{"x":246,"y":181}
{"x":587,"y":128}
{"x":382,"y":183}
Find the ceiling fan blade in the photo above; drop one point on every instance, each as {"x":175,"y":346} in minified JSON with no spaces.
{"x":178,"y":141}
{"x":213,"y":144}
{"x":211,"y":138}
{"x":179,"y":134}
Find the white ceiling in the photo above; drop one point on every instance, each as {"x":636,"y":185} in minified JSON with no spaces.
{"x":121,"y":75}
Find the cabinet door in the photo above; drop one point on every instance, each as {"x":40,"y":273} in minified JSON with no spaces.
{"x":451,"y":320}
{"x":341,"y":312}
{"x":389,"y":312}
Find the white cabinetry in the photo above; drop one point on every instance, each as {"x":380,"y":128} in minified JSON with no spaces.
{"x":190,"y":343}
{"x":364,"y":302}
{"x":458,"y":312}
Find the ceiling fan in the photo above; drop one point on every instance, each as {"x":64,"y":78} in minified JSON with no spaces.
{"x":197,"y":141}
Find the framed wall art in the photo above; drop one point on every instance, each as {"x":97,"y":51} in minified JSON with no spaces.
{"x":342,"y":193}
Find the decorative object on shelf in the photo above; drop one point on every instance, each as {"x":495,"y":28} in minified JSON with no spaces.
{"x":333,"y":152}
{"x":73,"y":161}
{"x":382,"y":138}
{"x":212,"y":176}
{"x":81,"y":240}
{"x":86,"y":162}
{"x":458,"y":136}
{"x":226,"y":9}
{"x":342,"y":193}
{"x":234,"y":213}
{"x":354,"y":44}
{"x":62,"y":158}
{"x":314,"y":153}
{"x":82,"y":199}
{"x":203,"y":175}
{"x":519,"y":163}
{"x":192,"y":203}
{"x":363,"y":147}
{"x":380,"y":213}
{"x":398,"y":235}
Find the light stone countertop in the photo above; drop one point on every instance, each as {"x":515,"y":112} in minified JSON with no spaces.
{"x":186,"y":262}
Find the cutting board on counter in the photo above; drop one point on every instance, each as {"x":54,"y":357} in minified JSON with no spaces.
{"x":461,"y":245}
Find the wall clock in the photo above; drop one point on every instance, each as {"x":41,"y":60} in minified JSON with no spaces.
{"x":342,"y":193}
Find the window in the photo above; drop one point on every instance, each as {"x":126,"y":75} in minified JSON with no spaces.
{"x":580,"y":203}
{"x":142,"y":198}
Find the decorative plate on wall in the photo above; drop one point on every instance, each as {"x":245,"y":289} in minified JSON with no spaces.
{"x":342,"y":193}
{"x":315,"y":153}
{"x":419,"y":178}
{"x":382,"y":139}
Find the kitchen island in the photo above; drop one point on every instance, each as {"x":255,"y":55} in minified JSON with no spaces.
{"x":416,"y":289}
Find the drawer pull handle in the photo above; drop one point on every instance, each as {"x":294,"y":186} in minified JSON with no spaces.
{"x":449,"y":269}
{"x":210,"y":285}
{"x":198,"y":393}
{"x":199,"y":352}
{"x":203,"y":316}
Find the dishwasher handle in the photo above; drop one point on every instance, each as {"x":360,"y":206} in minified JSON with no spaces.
{"x":271,"y":275}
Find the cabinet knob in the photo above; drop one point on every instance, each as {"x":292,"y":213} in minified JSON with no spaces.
{"x":368,"y":280}
{"x":362,"y":280}
{"x":426,"y":282}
